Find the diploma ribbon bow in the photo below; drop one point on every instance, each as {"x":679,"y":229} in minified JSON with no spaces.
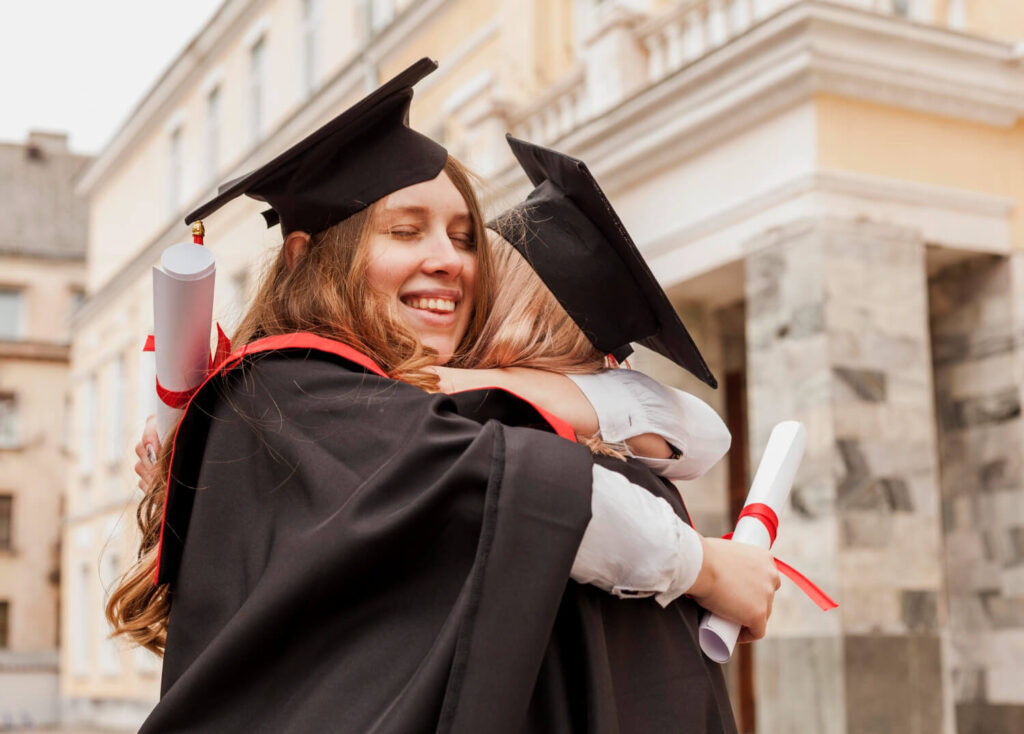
{"x":770,"y":520}
{"x":179,"y":400}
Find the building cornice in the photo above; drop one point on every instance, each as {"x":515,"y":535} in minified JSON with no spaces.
{"x":813,"y":47}
{"x":354,"y":77}
{"x":956,"y":219}
{"x":192,"y":68}
{"x":164,"y":96}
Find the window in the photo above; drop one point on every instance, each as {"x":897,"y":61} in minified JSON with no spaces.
{"x":115,"y":411}
{"x":257,"y":72}
{"x":311,"y":20}
{"x":956,"y":14}
{"x":174,"y":172}
{"x":80,"y":622}
{"x":86,"y":424}
{"x":77,"y":299}
{"x":5,"y":612}
{"x":110,"y":570}
{"x":145,"y":399}
{"x":8,"y":421}
{"x":382,"y":12}
{"x":10,"y":313}
{"x":6,"y":521}
{"x":213,"y":132}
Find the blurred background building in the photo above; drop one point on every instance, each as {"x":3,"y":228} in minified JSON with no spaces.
{"x":831,"y":191}
{"x":42,"y":278}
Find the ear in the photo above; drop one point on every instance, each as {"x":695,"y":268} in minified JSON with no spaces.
{"x":295,"y":246}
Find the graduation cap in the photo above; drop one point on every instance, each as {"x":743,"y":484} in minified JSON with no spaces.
{"x":362,"y":155}
{"x":569,"y":233}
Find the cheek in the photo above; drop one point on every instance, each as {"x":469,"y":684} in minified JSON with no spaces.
{"x":469,"y":275}
{"x":385,"y":270}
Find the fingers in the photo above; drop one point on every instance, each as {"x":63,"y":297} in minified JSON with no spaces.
{"x":151,"y":439}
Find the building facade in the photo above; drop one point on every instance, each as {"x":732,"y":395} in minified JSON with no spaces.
{"x":830,"y":190}
{"x":42,"y":278}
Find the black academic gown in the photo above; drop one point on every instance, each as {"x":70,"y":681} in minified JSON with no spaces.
{"x":617,"y":666}
{"x":346,"y":554}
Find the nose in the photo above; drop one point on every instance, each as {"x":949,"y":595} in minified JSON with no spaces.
{"x":443,"y":257}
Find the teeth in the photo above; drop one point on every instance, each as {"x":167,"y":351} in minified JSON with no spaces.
{"x":432,"y":304}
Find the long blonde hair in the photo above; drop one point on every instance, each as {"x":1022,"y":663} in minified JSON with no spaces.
{"x":528,"y":327}
{"x":324,"y":292}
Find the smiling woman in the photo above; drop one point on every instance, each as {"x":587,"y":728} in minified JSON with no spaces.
{"x":364,"y":280}
{"x":423,"y":256}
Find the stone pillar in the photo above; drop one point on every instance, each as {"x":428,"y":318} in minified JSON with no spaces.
{"x":837,"y":337}
{"x":977,"y":320}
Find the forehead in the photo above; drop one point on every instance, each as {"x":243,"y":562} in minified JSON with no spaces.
{"x":437,"y":197}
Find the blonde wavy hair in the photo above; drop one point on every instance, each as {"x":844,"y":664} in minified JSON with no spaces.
{"x":528,"y":327}
{"x":324,"y":292}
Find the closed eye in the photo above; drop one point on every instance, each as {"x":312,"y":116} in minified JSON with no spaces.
{"x":403,"y":233}
{"x":464,"y":239}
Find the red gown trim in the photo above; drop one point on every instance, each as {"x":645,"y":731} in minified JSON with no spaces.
{"x":305,"y":340}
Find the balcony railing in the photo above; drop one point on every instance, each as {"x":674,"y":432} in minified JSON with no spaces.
{"x":559,"y":110}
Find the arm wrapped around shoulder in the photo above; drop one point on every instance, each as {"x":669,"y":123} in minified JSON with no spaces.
{"x":629,"y":403}
{"x":635,"y":546}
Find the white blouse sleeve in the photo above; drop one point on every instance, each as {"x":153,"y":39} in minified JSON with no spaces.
{"x":629,"y":403}
{"x":635,"y":546}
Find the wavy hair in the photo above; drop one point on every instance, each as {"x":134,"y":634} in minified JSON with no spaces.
{"x":324,"y":292}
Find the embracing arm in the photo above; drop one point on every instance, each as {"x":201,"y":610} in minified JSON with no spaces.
{"x":555,"y":393}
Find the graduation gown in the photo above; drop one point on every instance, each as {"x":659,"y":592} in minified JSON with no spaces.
{"x":617,"y":666}
{"x":347,"y":554}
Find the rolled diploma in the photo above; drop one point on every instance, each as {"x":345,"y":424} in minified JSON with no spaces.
{"x":182,"y":318}
{"x":772,"y":482}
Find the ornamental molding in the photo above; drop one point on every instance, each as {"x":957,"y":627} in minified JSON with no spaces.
{"x":813,"y":47}
{"x":193,"y":67}
{"x":952,"y":218}
{"x":358,"y":75}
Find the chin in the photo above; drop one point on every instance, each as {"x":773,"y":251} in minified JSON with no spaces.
{"x":444,"y":348}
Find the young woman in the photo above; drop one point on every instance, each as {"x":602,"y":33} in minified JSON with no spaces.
{"x":358,"y":556}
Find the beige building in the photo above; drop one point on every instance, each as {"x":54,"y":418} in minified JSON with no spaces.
{"x":832,"y":192}
{"x":42,"y":278}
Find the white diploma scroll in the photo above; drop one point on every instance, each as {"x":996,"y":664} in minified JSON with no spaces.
{"x":772,"y":482}
{"x":182,"y":318}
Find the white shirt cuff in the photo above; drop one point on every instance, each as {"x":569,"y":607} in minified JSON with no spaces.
{"x":629,"y":403}
{"x":635,"y":546}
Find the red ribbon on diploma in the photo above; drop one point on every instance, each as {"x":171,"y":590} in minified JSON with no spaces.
{"x":180,"y":399}
{"x":770,"y":520}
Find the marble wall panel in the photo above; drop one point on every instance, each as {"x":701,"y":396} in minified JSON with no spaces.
{"x":976,"y":322}
{"x":893,"y":684}
{"x":839,"y":339}
{"x":799,"y":685}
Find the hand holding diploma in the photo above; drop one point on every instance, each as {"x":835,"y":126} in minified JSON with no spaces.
{"x":758,"y":524}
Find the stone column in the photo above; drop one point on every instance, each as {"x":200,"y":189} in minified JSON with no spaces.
{"x":837,"y":337}
{"x":977,"y":321}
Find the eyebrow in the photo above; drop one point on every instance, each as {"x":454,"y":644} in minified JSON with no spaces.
{"x":419,"y":211}
{"x":423,"y":213}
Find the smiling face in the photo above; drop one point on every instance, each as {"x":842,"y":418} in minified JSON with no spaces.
{"x":422,"y":254}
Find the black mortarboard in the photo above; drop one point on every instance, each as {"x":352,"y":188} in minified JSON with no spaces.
{"x":362,"y":155}
{"x":576,"y":243}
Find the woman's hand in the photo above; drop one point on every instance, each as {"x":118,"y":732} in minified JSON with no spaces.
{"x":737,"y":582}
{"x":147,"y":450}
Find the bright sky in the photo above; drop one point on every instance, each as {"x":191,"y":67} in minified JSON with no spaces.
{"x":81,"y":66}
